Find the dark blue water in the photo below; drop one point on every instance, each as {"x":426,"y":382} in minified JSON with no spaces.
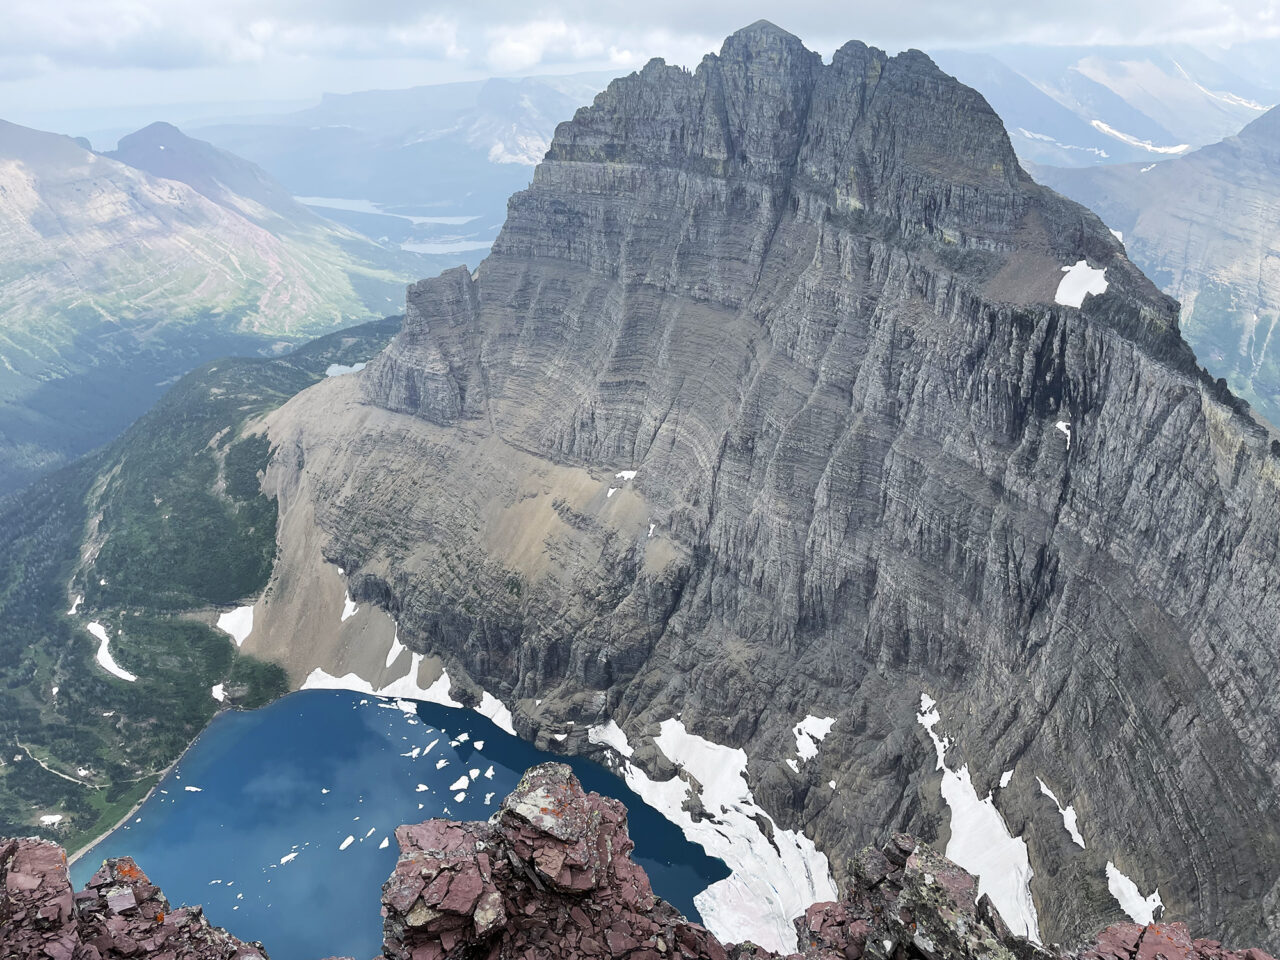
{"x":297,"y":778}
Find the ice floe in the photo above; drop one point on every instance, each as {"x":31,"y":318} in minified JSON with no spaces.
{"x":386,"y":842}
{"x":810,"y":732}
{"x":287,"y":857}
{"x":1080,"y":280}
{"x":347,"y":842}
{"x":1069,"y":819}
{"x":103,"y":656}
{"x":771,"y":881}
{"x":980,"y":840}
{"x":194,"y":789}
{"x":461,"y":783}
{"x":1139,"y":908}
{"x":238,"y":623}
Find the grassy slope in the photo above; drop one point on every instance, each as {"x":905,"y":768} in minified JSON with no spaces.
{"x":178,"y":523}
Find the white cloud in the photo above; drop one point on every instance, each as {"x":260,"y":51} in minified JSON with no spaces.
{"x":343,"y":40}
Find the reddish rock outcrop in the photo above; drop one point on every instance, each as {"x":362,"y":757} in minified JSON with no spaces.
{"x":119,"y":914}
{"x":550,"y":876}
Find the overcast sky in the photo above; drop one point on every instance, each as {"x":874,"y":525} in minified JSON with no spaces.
{"x":88,"y":53}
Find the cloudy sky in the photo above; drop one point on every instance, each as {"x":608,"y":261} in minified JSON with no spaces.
{"x":62,"y":54}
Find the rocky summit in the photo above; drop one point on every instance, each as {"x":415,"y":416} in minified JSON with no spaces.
{"x":550,"y":876}
{"x":785,"y":398}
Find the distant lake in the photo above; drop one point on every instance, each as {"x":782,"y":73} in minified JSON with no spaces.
{"x":281,"y":821}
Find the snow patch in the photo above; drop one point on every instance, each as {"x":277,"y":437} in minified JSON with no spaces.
{"x":611,"y":735}
{"x":1080,"y":281}
{"x":397,"y":648}
{"x":50,"y":819}
{"x":238,"y":623}
{"x":495,"y":710}
{"x":810,"y":732}
{"x":1069,"y":819}
{"x":1063,"y":426}
{"x":611,"y":492}
{"x":75,"y":606}
{"x":103,"y":656}
{"x":1139,"y":908}
{"x":338,"y":369}
{"x":770,"y":881}
{"x":980,"y":840}
{"x":625,"y":475}
{"x":1005,"y":778}
{"x":349,"y":608}
{"x":1132,"y":141}
{"x":218,"y":692}
{"x":404,"y":688}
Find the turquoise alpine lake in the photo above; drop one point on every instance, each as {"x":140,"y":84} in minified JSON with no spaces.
{"x":281,"y":821}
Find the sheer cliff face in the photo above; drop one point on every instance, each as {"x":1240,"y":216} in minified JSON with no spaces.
{"x":813,"y":308}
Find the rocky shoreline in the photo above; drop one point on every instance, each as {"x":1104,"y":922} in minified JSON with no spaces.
{"x":550,"y":875}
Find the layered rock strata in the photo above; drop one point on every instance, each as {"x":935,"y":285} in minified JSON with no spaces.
{"x":786,"y":391}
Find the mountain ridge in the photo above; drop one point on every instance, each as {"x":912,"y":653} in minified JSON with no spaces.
{"x":776,"y":398}
{"x":119,"y":279}
{"x":1201,"y":225}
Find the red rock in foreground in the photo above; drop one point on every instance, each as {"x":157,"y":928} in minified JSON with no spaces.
{"x":550,"y":877}
{"x":119,"y":914}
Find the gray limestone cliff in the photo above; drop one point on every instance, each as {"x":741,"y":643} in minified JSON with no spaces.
{"x":814,"y":308}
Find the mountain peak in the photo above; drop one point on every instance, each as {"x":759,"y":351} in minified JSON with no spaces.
{"x":162,"y":150}
{"x":762,"y":31}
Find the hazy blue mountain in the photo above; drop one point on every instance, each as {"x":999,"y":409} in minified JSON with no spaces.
{"x":1081,"y":106}
{"x":450,"y":151}
{"x":123,"y":271}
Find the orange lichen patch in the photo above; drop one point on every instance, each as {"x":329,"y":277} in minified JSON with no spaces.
{"x":159,"y":918}
{"x":129,"y":871}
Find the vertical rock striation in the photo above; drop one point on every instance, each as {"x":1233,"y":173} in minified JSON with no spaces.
{"x":815,"y":307}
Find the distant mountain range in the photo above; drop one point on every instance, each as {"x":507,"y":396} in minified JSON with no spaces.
{"x":121,"y":271}
{"x":1084,"y":106}
{"x":429,"y":166}
{"x":1203,"y":227}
